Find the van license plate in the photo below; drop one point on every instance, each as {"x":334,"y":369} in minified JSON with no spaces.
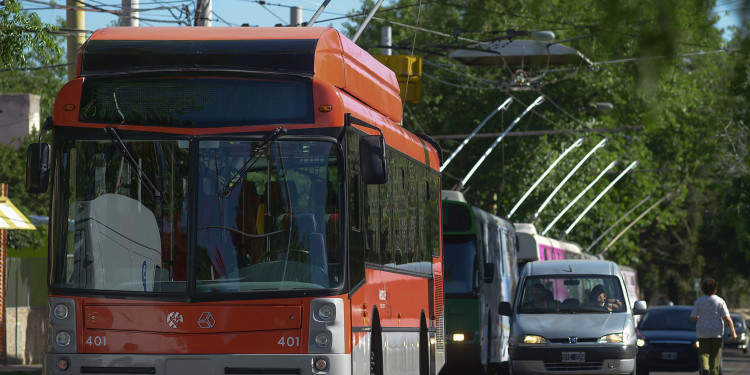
{"x":669,"y":355}
{"x":574,"y":356}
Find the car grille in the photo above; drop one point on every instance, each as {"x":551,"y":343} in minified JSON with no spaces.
{"x":562,"y":366}
{"x":567,"y":340}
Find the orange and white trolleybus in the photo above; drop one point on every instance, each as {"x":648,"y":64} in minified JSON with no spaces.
{"x":238,"y":201}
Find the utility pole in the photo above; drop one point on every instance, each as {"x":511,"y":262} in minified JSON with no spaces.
{"x":76,"y":21}
{"x":203,"y":13}
{"x":129,"y":14}
{"x":295,"y":16}
{"x":386,"y":39}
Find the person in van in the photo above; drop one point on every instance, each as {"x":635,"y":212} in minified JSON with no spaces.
{"x":540,"y":299}
{"x":598,"y":298}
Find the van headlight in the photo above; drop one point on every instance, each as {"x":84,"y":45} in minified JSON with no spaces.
{"x":534,"y":339}
{"x":611,"y":338}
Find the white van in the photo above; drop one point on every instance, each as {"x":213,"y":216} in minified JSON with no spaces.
{"x":572,"y":316}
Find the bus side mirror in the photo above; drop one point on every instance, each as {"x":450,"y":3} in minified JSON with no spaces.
{"x":504,"y":309}
{"x":489,"y":273}
{"x":37,"y":168}
{"x":372,"y":159}
{"x":639,"y":308}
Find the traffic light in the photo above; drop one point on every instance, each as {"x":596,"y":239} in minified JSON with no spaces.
{"x":407,"y":69}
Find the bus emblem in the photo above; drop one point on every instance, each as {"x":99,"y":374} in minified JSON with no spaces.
{"x":174,"y":318}
{"x":206,"y":320}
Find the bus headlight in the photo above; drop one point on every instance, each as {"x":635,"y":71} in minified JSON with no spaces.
{"x":323,"y":339}
{"x":534,"y":339}
{"x":61,"y":311}
{"x":458,"y":337}
{"x":327,"y":313}
{"x":62,"y":338}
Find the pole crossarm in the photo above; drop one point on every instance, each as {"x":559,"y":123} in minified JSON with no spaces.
{"x":598,"y":197}
{"x":617,"y":222}
{"x":505,"y":105}
{"x":633,"y":223}
{"x":570,"y":174}
{"x":542,"y":132}
{"x":587,"y":188}
{"x":536,"y":102}
{"x":577,"y":143}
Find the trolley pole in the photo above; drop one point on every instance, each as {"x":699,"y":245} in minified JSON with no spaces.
{"x":598,"y":197}
{"x":503,"y":106}
{"x":577,"y":143}
{"x":536,"y":102}
{"x":567,"y":177}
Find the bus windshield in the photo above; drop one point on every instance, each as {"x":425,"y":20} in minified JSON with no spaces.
{"x":460,"y":265}
{"x":274,"y":226}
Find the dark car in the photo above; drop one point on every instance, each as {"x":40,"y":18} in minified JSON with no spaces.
{"x":740,"y":327}
{"x":667,"y":340}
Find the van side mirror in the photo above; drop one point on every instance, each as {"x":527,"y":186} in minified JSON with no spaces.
{"x":639,"y":308}
{"x":372,"y":161}
{"x":37,"y":168}
{"x":505,"y":309}
{"x":489,"y":273}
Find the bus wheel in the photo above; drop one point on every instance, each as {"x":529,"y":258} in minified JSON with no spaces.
{"x":424,"y":349}
{"x":376,"y":351}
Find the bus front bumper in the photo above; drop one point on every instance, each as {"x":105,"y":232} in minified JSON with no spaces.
{"x":215,"y":364}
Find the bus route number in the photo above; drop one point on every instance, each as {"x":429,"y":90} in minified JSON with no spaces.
{"x":96,"y":341}
{"x":288,"y":341}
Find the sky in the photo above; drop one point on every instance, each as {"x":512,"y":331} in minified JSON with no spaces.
{"x":237,"y":12}
{"x":226,"y":12}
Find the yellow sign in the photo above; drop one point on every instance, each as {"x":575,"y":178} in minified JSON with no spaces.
{"x":12,"y":218}
{"x":408,"y":71}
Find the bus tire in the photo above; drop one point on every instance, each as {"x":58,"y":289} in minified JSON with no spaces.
{"x":424,"y":348}
{"x":376,"y":347}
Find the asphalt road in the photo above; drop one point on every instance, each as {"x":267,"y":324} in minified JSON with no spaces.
{"x":735,"y":363}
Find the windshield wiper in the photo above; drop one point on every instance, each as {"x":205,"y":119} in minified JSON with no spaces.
{"x":268,"y":140}
{"x":123,"y":150}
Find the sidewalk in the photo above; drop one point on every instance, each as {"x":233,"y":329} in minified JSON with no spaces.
{"x":31,"y":369}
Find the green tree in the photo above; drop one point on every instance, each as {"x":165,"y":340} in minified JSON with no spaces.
{"x":681,"y":100}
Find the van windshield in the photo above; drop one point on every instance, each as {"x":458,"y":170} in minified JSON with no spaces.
{"x":572,"y":294}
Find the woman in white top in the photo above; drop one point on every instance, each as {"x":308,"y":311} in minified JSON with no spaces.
{"x":710,"y":312}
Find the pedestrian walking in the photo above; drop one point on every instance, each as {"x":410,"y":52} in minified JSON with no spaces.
{"x":710,"y":312}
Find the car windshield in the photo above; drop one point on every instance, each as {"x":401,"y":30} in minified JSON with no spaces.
{"x":667,"y":320}
{"x":738,"y":323}
{"x":571,"y":294}
{"x":275,"y":226}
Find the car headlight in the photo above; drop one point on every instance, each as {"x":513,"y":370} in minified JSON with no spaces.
{"x":534,"y":339}
{"x":640,"y":343}
{"x":611,"y":338}
{"x":697,"y":344}
{"x":458,"y":337}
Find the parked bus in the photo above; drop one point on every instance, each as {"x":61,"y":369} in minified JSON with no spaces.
{"x":238,"y":201}
{"x":480,"y":272}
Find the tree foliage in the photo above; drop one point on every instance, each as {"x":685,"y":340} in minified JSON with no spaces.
{"x":689,"y":107}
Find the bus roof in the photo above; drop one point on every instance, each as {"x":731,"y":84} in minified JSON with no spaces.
{"x":320,"y":52}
